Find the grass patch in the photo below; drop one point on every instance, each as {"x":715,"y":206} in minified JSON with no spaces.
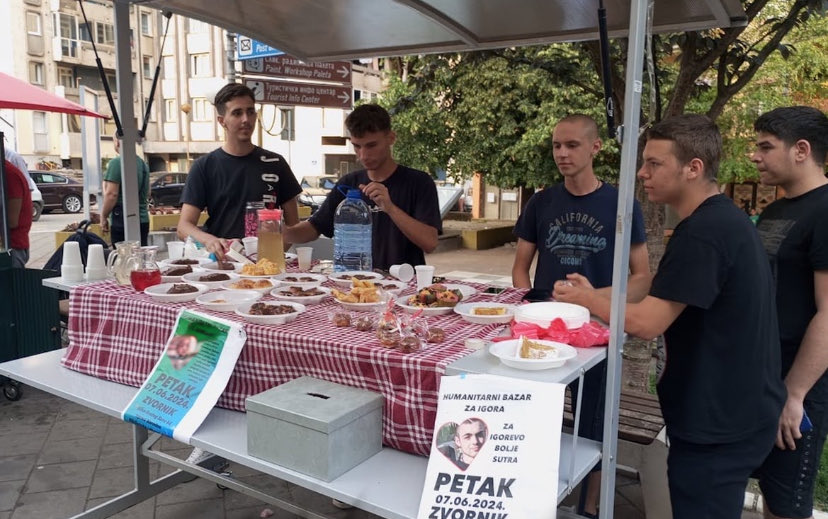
{"x":821,"y":490}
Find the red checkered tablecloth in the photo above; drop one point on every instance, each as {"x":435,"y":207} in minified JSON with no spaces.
{"x":117,"y":334}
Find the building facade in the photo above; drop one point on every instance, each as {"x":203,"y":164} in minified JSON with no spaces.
{"x":52,"y":47}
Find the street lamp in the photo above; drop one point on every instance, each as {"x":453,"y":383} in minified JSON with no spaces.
{"x":186,"y":108}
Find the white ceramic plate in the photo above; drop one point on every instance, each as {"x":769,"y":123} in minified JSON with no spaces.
{"x":344,"y":278}
{"x":243,"y":310}
{"x":507,"y":351}
{"x":212,"y":285}
{"x":284,"y":294}
{"x":174,"y":279}
{"x":392,"y":287}
{"x":159,"y":293}
{"x":466,"y":311}
{"x":542,"y":314}
{"x":292,"y":279}
{"x":402,"y":302}
{"x":227,"y":300}
{"x":232,"y":285}
{"x":362,"y":307}
{"x":213,"y":266}
{"x":169,"y":263}
{"x":466,"y":290}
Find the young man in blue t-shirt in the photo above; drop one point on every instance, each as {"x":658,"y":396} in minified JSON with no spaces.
{"x":571,"y":227}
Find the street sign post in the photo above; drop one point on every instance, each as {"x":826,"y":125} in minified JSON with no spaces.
{"x":285,"y":66}
{"x":250,"y":49}
{"x":301,"y":94}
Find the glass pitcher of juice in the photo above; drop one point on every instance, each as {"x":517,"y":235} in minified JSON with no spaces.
{"x":270,"y":237}
{"x":116,"y":262}
{"x":143,"y":270}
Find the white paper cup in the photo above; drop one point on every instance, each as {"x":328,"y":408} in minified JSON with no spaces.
{"x":425,"y":273}
{"x":404,"y":272}
{"x":304,"y":255}
{"x":71,"y":272}
{"x":251,"y":245}
{"x":95,"y":273}
{"x":95,"y":257}
{"x":71,"y":255}
{"x":175,"y":250}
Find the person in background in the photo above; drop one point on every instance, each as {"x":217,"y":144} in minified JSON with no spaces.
{"x":570,"y":227}
{"x":18,"y":214}
{"x":713,"y":299}
{"x":15,"y":158}
{"x":407,"y":218}
{"x":113,"y":197}
{"x":791,"y":147}
{"x":226,"y":179}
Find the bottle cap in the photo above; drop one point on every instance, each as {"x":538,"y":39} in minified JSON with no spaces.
{"x":270,"y":214}
{"x":354,"y":192}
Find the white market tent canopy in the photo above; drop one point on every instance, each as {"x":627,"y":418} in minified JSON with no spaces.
{"x":324,"y":30}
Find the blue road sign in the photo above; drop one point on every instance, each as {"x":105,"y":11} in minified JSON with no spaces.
{"x":248,"y":48}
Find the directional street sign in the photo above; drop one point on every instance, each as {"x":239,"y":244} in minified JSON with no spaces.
{"x":250,"y":48}
{"x":290,"y":67}
{"x":302,"y":94}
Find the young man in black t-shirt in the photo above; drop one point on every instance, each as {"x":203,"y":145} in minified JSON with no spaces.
{"x":713,"y":299}
{"x":791,"y":148}
{"x":405,"y":210}
{"x":225,"y":180}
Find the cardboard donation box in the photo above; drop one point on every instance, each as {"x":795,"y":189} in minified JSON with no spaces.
{"x":315,"y":427}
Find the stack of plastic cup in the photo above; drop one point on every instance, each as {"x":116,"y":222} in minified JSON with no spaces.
{"x":72,"y":267}
{"x":95,"y":265}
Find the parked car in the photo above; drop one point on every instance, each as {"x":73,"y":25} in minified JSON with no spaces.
{"x":315,"y":189}
{"x":60,"y":191}
{"x":166,"y":188}
{"x":37,"y":203}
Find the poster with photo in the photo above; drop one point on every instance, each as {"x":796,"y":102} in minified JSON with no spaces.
{"x":495,"y":449}
{"x":189,"y":376}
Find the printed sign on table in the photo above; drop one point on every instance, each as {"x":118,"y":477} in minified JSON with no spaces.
{"x":495,"y":450}
{"x":189,"y":377}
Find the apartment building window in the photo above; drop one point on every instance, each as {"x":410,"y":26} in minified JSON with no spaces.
{"x":170,"y":110}
{"x":197,"y":26}
{"x":202,"y":110}
{"x":104,"y":33}
{"x":35,"y":73}
{"x":39,"y":127}
{"x":66,"y":78}
{"x":168,"y":65}
{"x":200,"y":65}
{"x":146,"y":24}
{"x":33,"y":24}
{"x":66,"y":28}
{"x":152,"y":109}
{"x":83,"y":32}
{"x":146,"y":65}
{"x":288,"y":117}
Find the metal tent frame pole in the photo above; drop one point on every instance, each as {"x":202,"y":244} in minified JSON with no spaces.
{"x":129,"y":159}
{"x":621,"y":261}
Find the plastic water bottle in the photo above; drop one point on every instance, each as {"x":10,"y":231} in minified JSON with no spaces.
{"x":352,"y":234}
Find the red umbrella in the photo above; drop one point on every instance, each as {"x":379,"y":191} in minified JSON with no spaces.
{"x":18,"y":94}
